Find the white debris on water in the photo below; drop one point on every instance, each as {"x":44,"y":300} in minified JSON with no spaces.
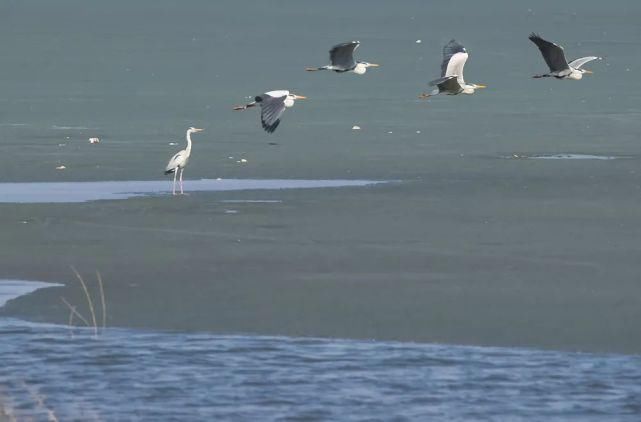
{"x":242,"y":161}
{"x":418,"y":41}
{"x":94,"y":140}
{"x":355,"y":127}
{"x":61,"y":167}
{"x":418,"y":131}
{"x":173,"y":143}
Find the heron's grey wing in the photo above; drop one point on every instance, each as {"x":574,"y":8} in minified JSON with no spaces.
{"x":451,"y":48}
{"x":552,"y":53}
{"x":272,"y":109}
{"x":175,"y":160}
{"x":577,"y":63}
{"x":342,"y":55}
{"x":447,"y":84}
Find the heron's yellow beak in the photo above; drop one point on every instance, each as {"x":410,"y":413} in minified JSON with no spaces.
{"x":299,"y":97}
{"x":589,"y":72}
{"x":374,"y":65}
{"x":480,"y":86}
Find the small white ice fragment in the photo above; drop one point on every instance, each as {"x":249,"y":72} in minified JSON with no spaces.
{"x":418,"y":131}
{"x":355,"y":127}
{"x":94,"y":140}
{"x":418,"y":41}
{"x":61,"y":167}
{"x":173,"y":143}
{"x":390,"y":132}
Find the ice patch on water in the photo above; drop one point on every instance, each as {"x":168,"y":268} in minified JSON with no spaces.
{"x":70,"y":127}
{"x":66,"y":192}
{"x":11,"y":289}
{"x":252,"y":201}
{"x":563,"y":156}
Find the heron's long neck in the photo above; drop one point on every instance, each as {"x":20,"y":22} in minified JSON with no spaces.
{"x":188,"y":142}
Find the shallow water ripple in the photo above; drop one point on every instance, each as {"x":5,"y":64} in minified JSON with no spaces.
{"x":127,"y":374}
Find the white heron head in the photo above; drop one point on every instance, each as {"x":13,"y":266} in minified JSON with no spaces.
{"x":194,"y":130}
{"x":289,"y":101}
{"x":361,"y":67}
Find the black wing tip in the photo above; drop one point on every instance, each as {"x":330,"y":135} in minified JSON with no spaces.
{"x":170,"y":171}
{"x":454,"y":46}
{"x":344,"y":44}
{"x":270,"y":128}
{"x":437,"y":82}
{"x":534,"y":36}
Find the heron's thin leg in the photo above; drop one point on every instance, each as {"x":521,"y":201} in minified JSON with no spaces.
{"x":181,"y":181}
{"x":173,"y":191}
{"x":246,"y":106}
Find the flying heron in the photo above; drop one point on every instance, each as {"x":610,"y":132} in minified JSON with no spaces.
{"x":179,"y":161}
{"x":451,"y":81}
{"x":273,"y":105}
{"x":555,"y":59}
{"x":342,"y":58}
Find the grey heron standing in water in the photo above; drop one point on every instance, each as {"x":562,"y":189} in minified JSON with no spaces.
{"x":451,"y":81}
{"x":341,"y":57}
{"x":273,"y":105}
{"x":555,"y":59}
{"x":179,"y":161}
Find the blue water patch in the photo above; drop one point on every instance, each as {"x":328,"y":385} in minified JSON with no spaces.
{"x":123,"y":374}
{"x":65,"y":192}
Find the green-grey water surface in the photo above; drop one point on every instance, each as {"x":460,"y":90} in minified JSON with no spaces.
{"x":474,"y":245}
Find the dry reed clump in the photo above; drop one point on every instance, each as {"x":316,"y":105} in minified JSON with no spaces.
{"x":73,"y":312}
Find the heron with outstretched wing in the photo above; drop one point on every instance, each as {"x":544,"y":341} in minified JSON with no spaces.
{"x":273,"y":105}
{"x":554,"y":57}
{"x":341,"y":57}
{"x":451,"y":81}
